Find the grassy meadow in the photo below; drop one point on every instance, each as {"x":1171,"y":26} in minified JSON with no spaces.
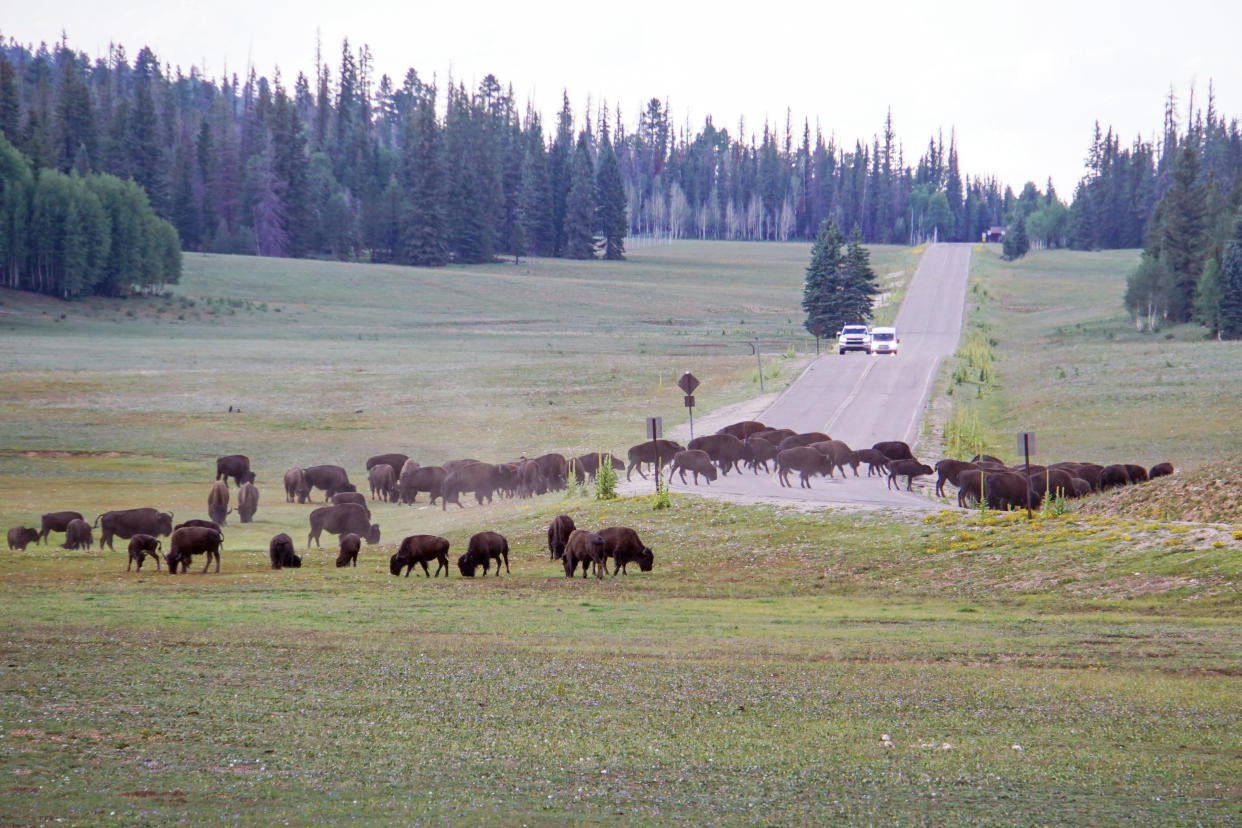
{"x":777,"y":666}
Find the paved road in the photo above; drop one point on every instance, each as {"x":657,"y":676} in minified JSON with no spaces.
{"x":863,"y":399}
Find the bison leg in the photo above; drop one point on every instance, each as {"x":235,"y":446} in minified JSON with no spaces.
{"x":504,"y":555}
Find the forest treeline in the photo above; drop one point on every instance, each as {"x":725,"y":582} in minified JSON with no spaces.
{"x":343,"y":164}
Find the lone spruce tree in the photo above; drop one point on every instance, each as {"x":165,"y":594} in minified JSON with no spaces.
{"x":610,"y":201}
{"x":840,"y":287}
{"x":1229,"y":312}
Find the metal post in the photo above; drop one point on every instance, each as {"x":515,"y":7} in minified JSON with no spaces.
{"x":692,"y":424}
{"x":1026,"y":450}
{"x":759,"y":361}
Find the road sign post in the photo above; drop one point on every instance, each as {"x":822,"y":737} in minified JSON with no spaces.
{"x":1026,"y":447}
{"x":688,"y":383}
{"x":754,"y":346}
{"x":655,"y":430}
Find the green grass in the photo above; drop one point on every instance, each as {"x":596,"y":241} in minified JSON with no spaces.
{"x":1068,"y":671}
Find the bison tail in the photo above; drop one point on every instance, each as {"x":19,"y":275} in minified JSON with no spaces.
{"x":97,"y":517}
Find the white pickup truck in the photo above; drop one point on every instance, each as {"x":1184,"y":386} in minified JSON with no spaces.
{"x":854,"y":338}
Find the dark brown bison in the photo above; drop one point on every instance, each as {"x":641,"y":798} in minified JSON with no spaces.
{"x":281,"y":553}
{"x":1138,"y":474}
{"x":555,"y":470}
{"x":743,"y":429}
{"x":397,"y":461}
{"x":1113,"y":476}
{"x":56,"y":522}
{"x":407,"y":468}
{"x":140,"y":546}
{"x":987,"y":458}
{"x":657,"y":452}
{"x":803,"y":439}
{"x":894,"y":450}
{"x":218,"y":501}
{"x":236,"y":466}
{"x":947,"y":471}
{"x":476,"y":477}
{"x":1051,"y":482}
{"x":586,"y":548}
{"x":877,"y":461}
{"x":1160,"y":470}
{"x":970,"y":486}
{"x":420,"y":549}
{"x":348,"y":554}
{"x":530,"y":480}
{"x":125,"y":523}
{"x":210,"y":524}
{"x":1009,"y":490}
{"x":910,"y":469}
{"x":1090,"y":472}
{"x":774,"y":435}
{"x":694,"y":461}
{"x":757,"y":452}
{"x":189,"y":541}
{"x":295,"y":486}
{"x":331,"y":479}
{"x":559,"y":530}
{"x":247,"y":502}
{"x":622,"y":544}
{"x":483,"y":548}
{"x":587,"y":465}
{"x":352,"y":497}
{"x":339,"y":519}
{"x":20,"y":536}
{"x":429,"y":479}
{"x":839,"y":453}
{"x":806,"y":461}
{"x":383,"y":480}
{"x":725,"y":450}
{"x":78,"y":535}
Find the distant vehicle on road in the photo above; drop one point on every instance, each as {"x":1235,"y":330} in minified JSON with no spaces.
{"x":884,"y":340}
{"x":854,"y":338}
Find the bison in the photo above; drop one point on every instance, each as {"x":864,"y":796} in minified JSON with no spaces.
{"x":622,"y":544}
{"x":839,"y":453}
{"x":559,"y":530}
{"x":56,"y":522}
{"x":1160,"y":470}
{"x":140,"y":546}
{"x":725,"y":450}
{"x":236,"y":466}
{"x":383,"y":479}
{"x":397,"y":461}
{"x":331,"y":479}
{"x":210,"y":524}
{"x":78,"y":535}
{"x":743,"y":429}
{"x":476,"y":477}
{"x":281,"y":553}
{"x":757,"y":452}
{"x":429,"y":479}
{"x":218,"y":501}
{"x":339,"y":519}
{"x":806,"y":461}
{"x":910,"y":468}
{"x":694,"y":461}
{"x":483,"y":547}
{"x":348,"y":554}
{"x":20,"y":536}
{"x":189,"y":541}
{"x":947,"y":472}
{"x":554,"y":468}
{"x":419,"y":549}
{"x":530,"y":479}
{"x":803,"y":439}
{"x":352,"y":497}
{"x":586,"y":548}
{"x":125,"y":523}
{"x":587,"y":465}
{"x":247,"y":502}
{"x":656,"y":452}
{"x":894,"y":450}
{"x":295,"y":486}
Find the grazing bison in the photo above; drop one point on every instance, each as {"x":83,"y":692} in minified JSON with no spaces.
{"x":476,"y":477}
{"x":218,"y":501}
{"x":1138,"y":474}
{"x":236,"y":466}
{"x":1090,"y":472}
{"x":140,"y":546}
{"x":407,"y":468}
{"x":189,"y":541}
{"x":429,"y":479}
{"x":1009,"y":490}
{"x":725,"y":450}
{"x":352,"y":497}
{"x":281,"y":553}
{"x":757,"y":452}
{"x":586,"y":548}
{"x":331,"y":479}
{"x":348,"y":554}
{"x":483,"y":547}
{"x":877,"y":461}
{"x":910,"y":468}
{"x":78,"y":535}
{"x":587,"y":465}
{"x":657,"y":452}
{"x":694,"y":461}
{"x":559,"y":530}
{"x":806,"y":461}
{"x":555,"y":470}
{"x":743,"y":429}
{"x":295,"y":486}
{"x":383,"y":479}
{"x":420,"y":549}
{"x":125,"y":523}
{"x":20,"y":536}
{"x":56,"y":522}
{"x":894,"y":450}
{"x":803,"y":439}
{"x":947,"y":472}
{"x":1160,"y":470}
{"x":247,"y":502}
{"x":622,"y":544}
{"x":530,"y":480}
{"x":397,"y":461}
{"x":210,"y":524}
{"x":1114,"y":476}
{"x":339,"y":519}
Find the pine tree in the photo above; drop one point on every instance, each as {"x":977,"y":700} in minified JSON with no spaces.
{"x":823,"y":297}
{"x":1177,"y":236}
{"x":580,"y":204}
{"x":424,"y":235}
{"x":1229,"y":314}
{"x":859,"y":287}
{"x":1016,"y":243}
{"x":536,"y":198}
{"x":610,"y":201}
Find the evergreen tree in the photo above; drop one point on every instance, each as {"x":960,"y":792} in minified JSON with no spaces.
{"x":536,"y":199}
{"x":1015,"y":243}
{"x":580,"y":204}
{"x":560,"y":163}
{"x":1208,"y":296}
{"x":839,"y":287}
{"x":10,"y":101}
{"x":610,"y":201}
{"x":424,"y":236}
{"x":1177,"y":236}
{"x":1229,"y":314}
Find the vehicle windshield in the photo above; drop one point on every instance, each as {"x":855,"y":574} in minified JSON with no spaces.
{"x":882,"y":337}
{"x":854,"y":329}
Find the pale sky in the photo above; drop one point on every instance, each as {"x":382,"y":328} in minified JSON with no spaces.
{"x":1022,"y":84}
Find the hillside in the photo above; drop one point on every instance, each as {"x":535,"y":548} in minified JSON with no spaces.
{"x":1210,"y":493}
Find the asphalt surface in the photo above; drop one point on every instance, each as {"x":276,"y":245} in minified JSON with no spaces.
{"x":864,"y":399}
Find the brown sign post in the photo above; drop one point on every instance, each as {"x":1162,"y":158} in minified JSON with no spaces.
{"x":655,"y":430}
{"x":688,"y":383}
{"x":1026,"y":446}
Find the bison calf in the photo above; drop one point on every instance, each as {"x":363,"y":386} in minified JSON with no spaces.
{"x":586,"y":548}
{"x":695,"y":461}
{"x":78,"y":535}
{"x":350,"y":544}
{"x":281,"y":553}
{"x":140,"y":546}
{"x":910,"y":468}
{"x":19,"y":536}
{"x":558,"y":534}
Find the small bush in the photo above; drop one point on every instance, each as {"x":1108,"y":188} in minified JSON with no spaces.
{"x":606,"y":479}
{"x":661,"y":499}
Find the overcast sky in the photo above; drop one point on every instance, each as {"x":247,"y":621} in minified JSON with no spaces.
{"x":1022,"y":84}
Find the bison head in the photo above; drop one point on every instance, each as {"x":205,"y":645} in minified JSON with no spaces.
{"x":165,"y":523}
{"x":466,"y":566}
{"x":293,"y":561}
{"x":646,"y":560}
{"x":395,"y":564}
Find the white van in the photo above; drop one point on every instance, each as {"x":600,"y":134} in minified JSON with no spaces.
{"x":884,"y":341}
